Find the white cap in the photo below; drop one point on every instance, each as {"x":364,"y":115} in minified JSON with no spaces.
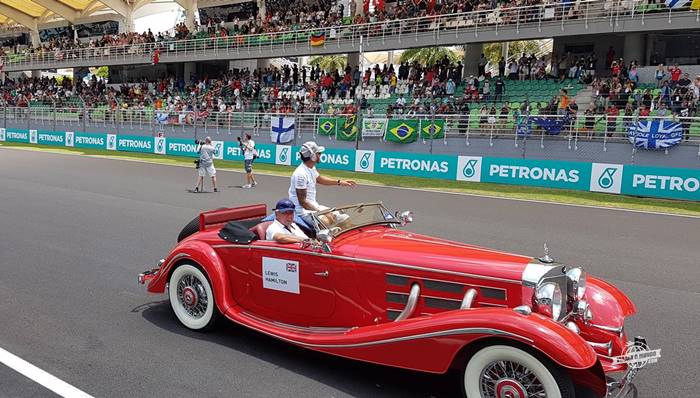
{"x":310,"y":148}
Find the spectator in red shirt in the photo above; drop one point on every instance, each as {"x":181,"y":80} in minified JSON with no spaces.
{"x":643,"y":111}
{"x":676,"y":73}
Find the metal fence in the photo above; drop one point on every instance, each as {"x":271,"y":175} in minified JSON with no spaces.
{"x":613,"y":11}
{"x":602,"y":129}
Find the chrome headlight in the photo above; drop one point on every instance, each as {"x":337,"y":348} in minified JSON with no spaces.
{"x":576,"y":282}
{"x":549,"y":300}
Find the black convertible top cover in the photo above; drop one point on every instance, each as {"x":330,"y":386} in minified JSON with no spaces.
{"x":236,"y":232}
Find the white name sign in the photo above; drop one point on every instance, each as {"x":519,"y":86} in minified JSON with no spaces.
{"x":280,"y":274}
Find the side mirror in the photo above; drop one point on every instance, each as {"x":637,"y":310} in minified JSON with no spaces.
{"x":324,"y":236}
{"x":405,"y":217}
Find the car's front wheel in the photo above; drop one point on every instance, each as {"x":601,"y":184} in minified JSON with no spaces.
{"x":502,"y":371}
{"x":192,"y":298}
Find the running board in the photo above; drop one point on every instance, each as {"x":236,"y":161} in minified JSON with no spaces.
{"x":297,"y":328}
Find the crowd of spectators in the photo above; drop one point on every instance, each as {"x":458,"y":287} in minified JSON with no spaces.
{"x":676,"y":95}
{"x":289,"y":15}
{"x":408,"y":89}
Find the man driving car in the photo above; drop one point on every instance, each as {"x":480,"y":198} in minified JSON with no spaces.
{"x":283,"y":229}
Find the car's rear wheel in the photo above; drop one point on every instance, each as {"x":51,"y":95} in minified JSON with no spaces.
{"x":502,"y":371}
{"x":192,"y":298}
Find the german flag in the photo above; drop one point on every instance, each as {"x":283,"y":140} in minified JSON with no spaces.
{"x":317,"y":39}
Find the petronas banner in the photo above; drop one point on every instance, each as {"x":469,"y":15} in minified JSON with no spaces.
{"x":402,"y":131}
{"x":347,"y":128}
{"x":432,"y":129}
{"x":327,"y":125}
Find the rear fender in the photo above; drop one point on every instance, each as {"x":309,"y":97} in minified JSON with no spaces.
{"x":206,"y":258}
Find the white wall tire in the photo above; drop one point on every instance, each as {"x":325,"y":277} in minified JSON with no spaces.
{"x":192,"y":298}
{"x":502,"y":371}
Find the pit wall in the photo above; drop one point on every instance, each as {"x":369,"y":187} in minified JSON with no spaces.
{"x":627,"y":179}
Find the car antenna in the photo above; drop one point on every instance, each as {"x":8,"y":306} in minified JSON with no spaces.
{"x":546,"y":259}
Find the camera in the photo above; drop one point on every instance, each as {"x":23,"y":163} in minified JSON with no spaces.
{"x":199,"y":142}
{"x":196,"y":163}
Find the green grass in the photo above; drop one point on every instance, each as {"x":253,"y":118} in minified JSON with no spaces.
{"x":488,"y":189}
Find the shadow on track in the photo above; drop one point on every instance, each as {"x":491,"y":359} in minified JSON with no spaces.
{"x":352,"y":377}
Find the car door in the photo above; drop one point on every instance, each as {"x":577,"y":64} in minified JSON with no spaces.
{"x":290,"y":284}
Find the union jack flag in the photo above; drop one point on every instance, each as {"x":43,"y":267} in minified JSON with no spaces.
{"x":655,"y":134}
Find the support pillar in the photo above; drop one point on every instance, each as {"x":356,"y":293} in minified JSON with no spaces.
{"x":354,"y":60}
{"x":635,"y":48}
{"x":126,"y":24}
{"x":263,"y":63}
{"x":189,"y":15}
{"x":189,"y":70}
{"x":472,"y":53}
{"x":34,"y":37}
{"x":261,"y":10}
{"x":36,"y":42}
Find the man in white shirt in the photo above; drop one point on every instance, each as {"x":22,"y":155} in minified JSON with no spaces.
{"x":206,"y":164}
{"x":283,"y":229}
{"x":249,"y":155}
{"x":302,"y":189}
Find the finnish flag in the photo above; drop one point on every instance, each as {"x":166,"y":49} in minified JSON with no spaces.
{"x":676,"y":3}
{"x":281,"y":129}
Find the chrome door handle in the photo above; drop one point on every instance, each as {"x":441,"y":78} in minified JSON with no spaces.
{"x":323,"y":274}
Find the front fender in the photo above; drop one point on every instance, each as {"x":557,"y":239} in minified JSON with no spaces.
{"x":433,"y":343}
{"x":610,"y":306}
{"x":206,"y":257}
{"x":561,"y":345}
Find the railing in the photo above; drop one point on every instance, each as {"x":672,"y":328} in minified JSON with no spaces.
{"x":227,"y":125}
{"x":404,"y":30}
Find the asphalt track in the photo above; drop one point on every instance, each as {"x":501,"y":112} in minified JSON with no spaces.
{"x":75,"y":231}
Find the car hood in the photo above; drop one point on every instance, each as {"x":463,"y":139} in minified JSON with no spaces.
{"x":407,"y":248}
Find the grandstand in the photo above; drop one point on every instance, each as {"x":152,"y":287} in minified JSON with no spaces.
{"x":216,"y":75}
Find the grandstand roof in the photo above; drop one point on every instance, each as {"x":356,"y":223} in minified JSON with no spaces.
{"x":31,"y":14}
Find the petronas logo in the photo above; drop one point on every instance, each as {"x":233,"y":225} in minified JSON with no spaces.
{"x":160,"y":146}
{"x":283,"y":155}
{"x":606,"y":179}
{"x":470,"y":168}
{"x":364,"y":162}
{"x":111,"y":141}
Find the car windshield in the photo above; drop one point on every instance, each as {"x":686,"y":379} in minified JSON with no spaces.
{"x":345,"y":218}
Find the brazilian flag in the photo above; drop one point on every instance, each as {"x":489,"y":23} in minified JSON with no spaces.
{"x":402,"y":131}
{"x":432,"y":129}
{"x":327,"y":125}
{"x":347,"y":128}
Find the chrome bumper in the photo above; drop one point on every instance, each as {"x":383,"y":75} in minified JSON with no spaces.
{"x":622,"y":388}
{"x":147,"y":275}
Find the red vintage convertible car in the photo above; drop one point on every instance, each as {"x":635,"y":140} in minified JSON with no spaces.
{"x":514,"y":326}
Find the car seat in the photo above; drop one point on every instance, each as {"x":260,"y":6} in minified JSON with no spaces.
{"x":261,"y":229}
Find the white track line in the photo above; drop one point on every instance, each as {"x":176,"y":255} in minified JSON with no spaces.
{"x":478,"y":195}
{"x":54,"y":384}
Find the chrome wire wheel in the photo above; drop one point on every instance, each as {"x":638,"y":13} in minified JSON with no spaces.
{"x":507,"y":379}
{"x":192,"y":298}
{"x":503,"y":371}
